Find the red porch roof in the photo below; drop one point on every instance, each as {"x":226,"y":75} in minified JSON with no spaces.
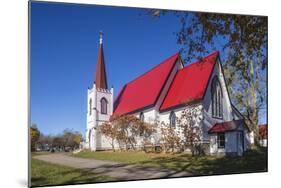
{"x":144,"y":90}
{"x":190,"y":82}
{"x":263,"y":131}
{"x":225,"y":126}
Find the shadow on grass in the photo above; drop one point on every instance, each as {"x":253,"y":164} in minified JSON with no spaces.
{"x":252,"y":161}
{"x":186,"y":165}
{"x":85,"y":176}
{"x":178,"y":165}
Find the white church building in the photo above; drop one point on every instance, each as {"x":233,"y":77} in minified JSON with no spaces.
{"x":162,"y":93}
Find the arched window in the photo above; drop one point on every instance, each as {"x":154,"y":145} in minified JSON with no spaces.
{"x":173,"y":119}
{"x":216,"y":98}
{"x":103,"y":108}
{"x":142,"y":119}
{"x":90,"y":107}
{"x":141,"y":116}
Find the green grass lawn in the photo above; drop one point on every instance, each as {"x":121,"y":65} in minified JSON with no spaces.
{"x":43,"y":173}
{"x":253,"y":161}
{"x":123,"y":157}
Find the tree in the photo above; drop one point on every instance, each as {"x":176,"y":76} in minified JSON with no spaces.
{"x":189,"y":124}
{"x":34,"y":136}
{"x":109,"y":130}
{"x":78,"y":138}
{"x":170,"y":137}
{"x":45,"y":141}
{"x":58,"y":142}
{"x":244,"y":40}
{"x":125,"y":129}
{"x":71,"y":139}
{"x":68,"y":138}
{"x":124,"y":126}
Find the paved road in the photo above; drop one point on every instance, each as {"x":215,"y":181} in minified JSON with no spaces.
{"x":113,"y":169}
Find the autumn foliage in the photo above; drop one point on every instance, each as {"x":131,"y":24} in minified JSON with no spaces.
{"x":170,"y":137}
{"x":34,"y":136}
{"x":129,"y":132}
{"x":190,"y":128}
{"x":124,"y":130}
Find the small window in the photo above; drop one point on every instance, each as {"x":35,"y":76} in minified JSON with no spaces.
{"x":173,"y":119}
{"x":221,"y":140}
{"x":103,"y":106}
{"x":141,"y":116}
{"x":90,"y":107}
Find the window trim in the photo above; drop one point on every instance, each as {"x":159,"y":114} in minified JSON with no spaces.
{"x":103,"y":102}
{"x":173,"y":115}
{"x":220,"y":140}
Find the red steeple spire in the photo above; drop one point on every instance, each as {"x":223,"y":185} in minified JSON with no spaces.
{"x":100,"y":79}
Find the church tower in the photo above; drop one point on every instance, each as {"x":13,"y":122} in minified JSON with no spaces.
{"x":100,"y":104}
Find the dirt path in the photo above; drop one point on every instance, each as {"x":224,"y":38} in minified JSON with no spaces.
{"x":113,"y":169}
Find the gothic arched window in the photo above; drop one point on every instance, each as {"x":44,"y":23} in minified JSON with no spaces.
{"x":103,"y":108}
{"x":142,"y":119}
{"x":216,"y":98}
{"x":90,"y":107}
{"x":173,"y":119}
{"x":141,"y":116}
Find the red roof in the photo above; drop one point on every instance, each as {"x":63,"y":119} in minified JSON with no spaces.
{"x":225,"y":126}
{"x":263,"y":131}
{"x":144,"y":90}
{"x":190,"y":82}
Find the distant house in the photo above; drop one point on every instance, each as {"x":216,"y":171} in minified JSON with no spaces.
{"x":263,"y":135}
{"x":161,"y":94}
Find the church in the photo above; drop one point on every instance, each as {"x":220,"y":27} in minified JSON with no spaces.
{"x":162,"y":93}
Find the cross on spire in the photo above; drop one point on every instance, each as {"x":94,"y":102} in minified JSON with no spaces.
{"x":101,"y":37}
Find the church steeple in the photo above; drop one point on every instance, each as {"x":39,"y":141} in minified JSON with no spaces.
{"x":100,"y":77}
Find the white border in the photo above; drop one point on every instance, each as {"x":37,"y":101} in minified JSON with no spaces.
{"x":13,"y":95}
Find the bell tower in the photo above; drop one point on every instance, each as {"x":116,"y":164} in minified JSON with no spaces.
{"x":99,"y":104}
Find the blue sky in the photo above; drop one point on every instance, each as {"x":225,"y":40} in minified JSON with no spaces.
{"x":64,"y":46}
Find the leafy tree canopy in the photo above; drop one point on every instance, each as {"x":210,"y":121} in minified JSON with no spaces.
{"x":242,"y":41}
